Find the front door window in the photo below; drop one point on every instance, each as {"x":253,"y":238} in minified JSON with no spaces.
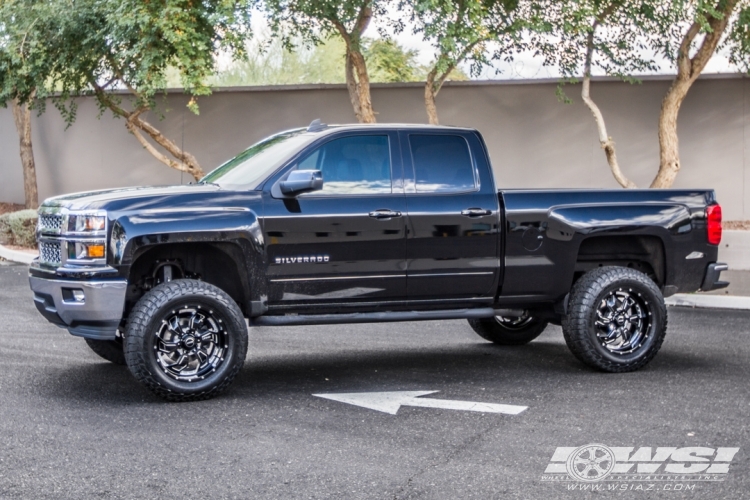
{"x":352,"y":165}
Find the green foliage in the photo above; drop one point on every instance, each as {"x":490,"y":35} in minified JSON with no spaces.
{"x":309,"y":22}
{"x":387,"y":61}
{"x":23,"y":44}
{"x":737,"y":42}
{"x":18,"y":228}
{"x":275,"y":65}
{"x":475,"y":31}
{"x":623,"y":37}
{"x":73,"y":47}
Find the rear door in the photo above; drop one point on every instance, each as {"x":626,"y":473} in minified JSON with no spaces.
{"x":453,"y":208}
{"x":343,"y":246}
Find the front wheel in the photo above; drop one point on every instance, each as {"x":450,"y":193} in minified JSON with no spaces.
{"x":186,"y":340}
{"x":616,"y":320}
{"x":509,"y":330}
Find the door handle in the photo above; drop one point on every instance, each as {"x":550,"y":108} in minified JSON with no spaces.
{"x":475,"y":212}
{"x":384,"y":213}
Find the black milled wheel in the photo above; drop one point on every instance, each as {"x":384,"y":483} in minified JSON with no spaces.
{"x":186,"y":340}
{"x":616,"y":319}
{"x":111,"y":350}
{"x":509,"y":330}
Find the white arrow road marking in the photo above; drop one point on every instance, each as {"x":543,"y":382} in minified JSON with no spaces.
{"x":390,"y":402}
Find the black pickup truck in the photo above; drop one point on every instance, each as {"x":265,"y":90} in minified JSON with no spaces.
{"x":364,"y":223}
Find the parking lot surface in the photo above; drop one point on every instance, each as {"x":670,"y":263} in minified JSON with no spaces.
{"x":75,"y":426}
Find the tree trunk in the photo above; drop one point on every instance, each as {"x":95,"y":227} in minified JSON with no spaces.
{"x":605,"y":141}
{"x":358,"y":84}
{"x":669,"y":152}
{"x":688,"y":70}
{"x":357,"y":79}
{"x":429,"y":98}
{"x":351,"y":86}
{"x":22,"y":116}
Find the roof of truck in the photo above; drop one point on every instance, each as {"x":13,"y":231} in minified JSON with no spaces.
{"x":317,"y":126}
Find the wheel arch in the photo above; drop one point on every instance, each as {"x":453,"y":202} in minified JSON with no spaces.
{"x":224,"y":247}
{"x":221,"y":264}
{"x":643,"y":252}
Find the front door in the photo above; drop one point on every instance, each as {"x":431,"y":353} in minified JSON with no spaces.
{"x":343,"y":246}
{"x":452,"y":246}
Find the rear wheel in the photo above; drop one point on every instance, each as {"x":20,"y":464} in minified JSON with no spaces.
{"x":509,"y":330}
{"x":616,"y":319}
{"x":111,"y":350}
{"x":186,"y":340}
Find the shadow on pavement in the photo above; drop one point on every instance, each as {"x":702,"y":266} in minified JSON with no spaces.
{"x":538,"y":366}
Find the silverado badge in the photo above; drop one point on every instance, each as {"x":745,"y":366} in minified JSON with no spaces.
{"x":304,"y":259}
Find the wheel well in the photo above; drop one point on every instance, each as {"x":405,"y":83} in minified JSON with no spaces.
{"x":643,"y":253}
{"x":220,"y":264}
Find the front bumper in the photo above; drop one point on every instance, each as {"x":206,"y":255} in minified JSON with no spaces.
{"x":711,"y":280}
{"x":97,"y":316}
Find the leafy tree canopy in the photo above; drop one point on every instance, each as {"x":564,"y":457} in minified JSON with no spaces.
{"x":91,"y":46}
{"x":77,"y":47}
{"x":388,"y":61}
{"x":475,"y":31}
{"x":272,"y":64}
{"x":619,"y":38}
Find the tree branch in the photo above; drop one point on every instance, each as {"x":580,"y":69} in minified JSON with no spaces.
{"x":606,"y":142}
{"x":154,"y":152}
{"x":342,"y":31}
{"x":710,"y":41}
{"x":363,"y":19}
{"x":187,"y":162}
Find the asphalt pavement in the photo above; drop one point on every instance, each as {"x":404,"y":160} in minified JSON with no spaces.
{"x":75,"y":426}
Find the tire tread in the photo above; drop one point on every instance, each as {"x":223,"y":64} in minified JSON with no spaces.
{"x":583,"y":297}
{"x":143,"y":313}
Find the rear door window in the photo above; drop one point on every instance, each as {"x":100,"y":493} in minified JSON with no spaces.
{"x":442,"y":163}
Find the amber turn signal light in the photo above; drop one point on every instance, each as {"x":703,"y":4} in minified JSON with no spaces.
{"x":95,"y":251}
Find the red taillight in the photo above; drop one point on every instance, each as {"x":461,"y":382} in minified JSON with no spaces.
{"x":713,"y":216}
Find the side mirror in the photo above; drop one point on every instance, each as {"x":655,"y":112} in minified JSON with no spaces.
{"x":302,"y":181}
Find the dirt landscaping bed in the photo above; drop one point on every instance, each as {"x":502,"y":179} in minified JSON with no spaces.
{"x":736,"y":225}
{"x":9,"y":207}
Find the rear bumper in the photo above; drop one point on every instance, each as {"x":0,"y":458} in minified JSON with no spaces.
{"x":711,"y":279}
{"x":96,"y":316}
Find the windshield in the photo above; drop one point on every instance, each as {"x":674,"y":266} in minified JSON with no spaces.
{"x":258,"y":161}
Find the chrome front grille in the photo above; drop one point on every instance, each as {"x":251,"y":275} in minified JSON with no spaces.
{"x":50,"y":252}
{"x":50,"y":223}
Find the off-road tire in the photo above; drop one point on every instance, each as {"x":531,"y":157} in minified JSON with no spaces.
{"x":493,"y":329}
{"x":147,"y":318}
{"x":111,"y":350}
{"x":587,"y":296}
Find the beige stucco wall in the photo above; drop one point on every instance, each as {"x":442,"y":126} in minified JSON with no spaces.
{"x":534,"y":140}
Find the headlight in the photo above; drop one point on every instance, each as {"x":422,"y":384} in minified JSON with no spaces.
{"x":86,"y":250}
{"x":86,"y":223}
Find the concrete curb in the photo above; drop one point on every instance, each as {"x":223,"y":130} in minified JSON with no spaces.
{"x":709,"y":301}
{"x":16,"y":256}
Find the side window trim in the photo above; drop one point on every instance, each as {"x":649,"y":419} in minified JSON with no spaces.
{"x":410,"y":180}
